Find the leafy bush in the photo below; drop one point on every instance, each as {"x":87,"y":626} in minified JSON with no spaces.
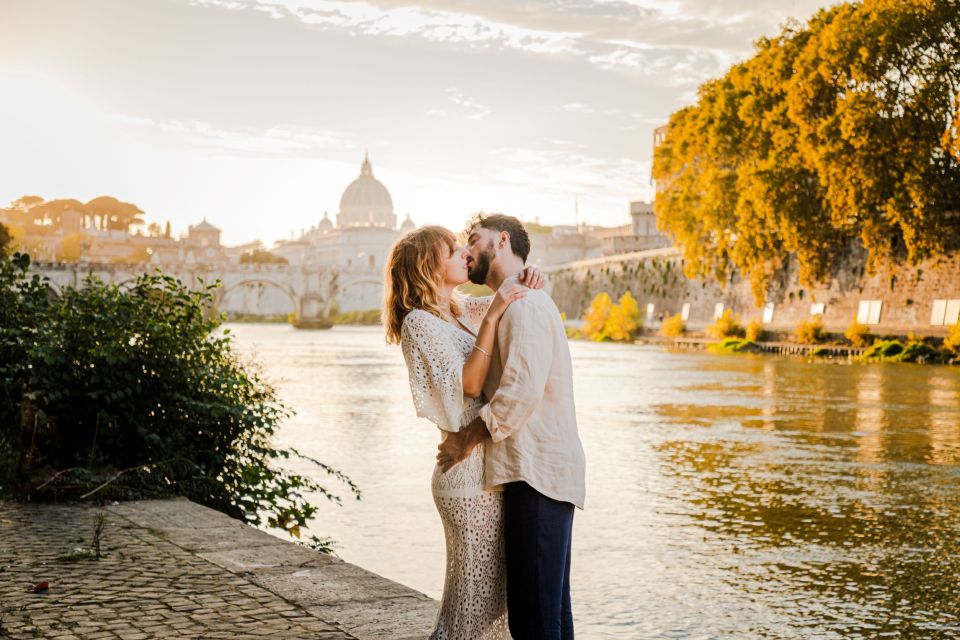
{"x":857,"y":334}
{"x":369,"y":317}
{"x":895,"y":351}
{"x":919,"y":351}
{"x":952,"y":341}
{"x":726,"y":326}
{"x":883,"y":349}
{"x":673,"y":327}
{"x":596,"y":317}
{"x":810,"y":331}
{"x":110,"y":392}
{"x":734,"y":345}
{"x":755,"y":331}
{"x":623,"y":323}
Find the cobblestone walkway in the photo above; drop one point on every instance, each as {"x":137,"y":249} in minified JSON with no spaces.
{"x":174,"y":569}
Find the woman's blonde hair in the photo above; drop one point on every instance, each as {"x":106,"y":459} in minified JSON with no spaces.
{"x":413,"y":276}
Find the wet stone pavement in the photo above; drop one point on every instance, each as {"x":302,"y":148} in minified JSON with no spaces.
{"x":175,"y":569}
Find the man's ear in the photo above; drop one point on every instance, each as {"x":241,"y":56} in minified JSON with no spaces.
{"x":504,"y":240}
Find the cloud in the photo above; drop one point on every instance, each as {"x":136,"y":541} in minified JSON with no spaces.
{"x":472,"y":109}
{"x":685,"y":41}
{"x":404,"y":21}
{"x":282,"y":139}
{"x":559,"y":171}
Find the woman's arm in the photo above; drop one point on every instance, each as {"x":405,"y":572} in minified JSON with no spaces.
{"x":478,"y":363}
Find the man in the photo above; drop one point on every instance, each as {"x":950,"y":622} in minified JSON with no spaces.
{"x":534,"y":450}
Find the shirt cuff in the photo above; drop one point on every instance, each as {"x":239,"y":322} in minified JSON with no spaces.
{"x":497,"y":433}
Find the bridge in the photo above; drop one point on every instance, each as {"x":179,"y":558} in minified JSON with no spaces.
{"x":313,"y":292}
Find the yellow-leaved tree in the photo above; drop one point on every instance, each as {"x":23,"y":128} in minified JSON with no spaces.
{"x":624,"y":319}
{"x":838,"y":135}
{"x":596,"y":317}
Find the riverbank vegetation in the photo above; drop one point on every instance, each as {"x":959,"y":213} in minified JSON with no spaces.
{"x":837,"y":137}
{"x":113,"y":392}
{"x":605,"y":321}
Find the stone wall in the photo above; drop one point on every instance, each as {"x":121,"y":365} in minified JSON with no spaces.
{"x":906,"y":293}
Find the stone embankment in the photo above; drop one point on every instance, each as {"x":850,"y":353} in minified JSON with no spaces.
{"x":175,"y":569}
{"x":922,"y":298}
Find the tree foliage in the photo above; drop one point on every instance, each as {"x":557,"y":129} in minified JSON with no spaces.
{"x":114,"y":392}
{"x":260,"y":256}
{"x":623,"y":323}
{"x":596,"y":317}
{"x":105,"y":212}
{"x":839,"y":133}
{"x":726,"y":326}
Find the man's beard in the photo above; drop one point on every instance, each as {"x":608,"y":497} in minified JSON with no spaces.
{"x":481,"y":266}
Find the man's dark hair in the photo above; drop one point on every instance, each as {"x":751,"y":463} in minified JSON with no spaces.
{"x":519,"y":239}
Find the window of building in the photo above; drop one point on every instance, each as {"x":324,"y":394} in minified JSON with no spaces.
{"x":685,"y":311}
{"x":869,"y":311}
{"x":768,"y":313}
{"x":945,"y":312}
{"x":718,"y":311}
{"x":817,"y":308}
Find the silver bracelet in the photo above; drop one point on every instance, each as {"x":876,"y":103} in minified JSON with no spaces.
{"x":486,"y":353}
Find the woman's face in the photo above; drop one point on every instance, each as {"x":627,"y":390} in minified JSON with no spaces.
{"x":453,"y":270}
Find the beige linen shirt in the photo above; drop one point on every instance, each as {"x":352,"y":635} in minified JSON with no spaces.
{"x":531,"y":416}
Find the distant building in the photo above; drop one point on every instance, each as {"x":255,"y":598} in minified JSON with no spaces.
{"x":561,"y":244}
{"x":365,"y":230}
{"x":641,"y":234}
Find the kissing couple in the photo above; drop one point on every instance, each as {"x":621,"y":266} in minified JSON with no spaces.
{"x":494,"y":375}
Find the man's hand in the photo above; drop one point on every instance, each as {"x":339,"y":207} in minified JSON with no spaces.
{"x":456,"y":447}
{"x":452,"y":450}
{"x":532,"y":278}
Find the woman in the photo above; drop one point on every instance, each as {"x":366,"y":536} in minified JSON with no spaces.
{"x":447,"y":340}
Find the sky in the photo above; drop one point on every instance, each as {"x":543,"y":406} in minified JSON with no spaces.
{"x":256,"y":114}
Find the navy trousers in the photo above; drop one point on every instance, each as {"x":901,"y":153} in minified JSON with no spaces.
{"x":537,"y":535}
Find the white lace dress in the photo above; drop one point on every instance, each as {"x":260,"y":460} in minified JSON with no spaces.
{"x":474,"y":605}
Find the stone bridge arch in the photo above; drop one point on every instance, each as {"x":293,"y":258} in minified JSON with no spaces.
{"x":295,"y":298}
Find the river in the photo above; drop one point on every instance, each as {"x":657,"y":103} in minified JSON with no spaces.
{"x":727,"y":496}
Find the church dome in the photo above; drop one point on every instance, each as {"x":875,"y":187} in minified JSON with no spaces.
{"x":407,"y":225}
{"x":366,"y":201}
{"x":325,"y":224}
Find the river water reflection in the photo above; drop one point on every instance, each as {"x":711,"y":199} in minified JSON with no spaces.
{"x":727,"y":496}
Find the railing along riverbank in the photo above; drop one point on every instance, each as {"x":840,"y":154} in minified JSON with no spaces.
{"x":777,"y":348}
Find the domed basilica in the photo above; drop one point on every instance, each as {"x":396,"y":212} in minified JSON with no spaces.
{"x":365,"y":228}
{"x":358,"y":243}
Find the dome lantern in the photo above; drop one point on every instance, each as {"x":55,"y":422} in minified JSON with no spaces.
{"x":366,"y":202}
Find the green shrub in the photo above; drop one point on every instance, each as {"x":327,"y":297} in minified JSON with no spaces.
{"x":129,"y":393}
{"x":755,"y":331}
{"x":734,"y":345}
{"x":919,"y":351}
{"x":673,"y":327}
{"x":895,"y":351}
{"x":883,"y":350}
{"x":810,"y":331}
{"x":858,"y":334}
{"x":726,"y":326}
{"x":369,"y":317}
